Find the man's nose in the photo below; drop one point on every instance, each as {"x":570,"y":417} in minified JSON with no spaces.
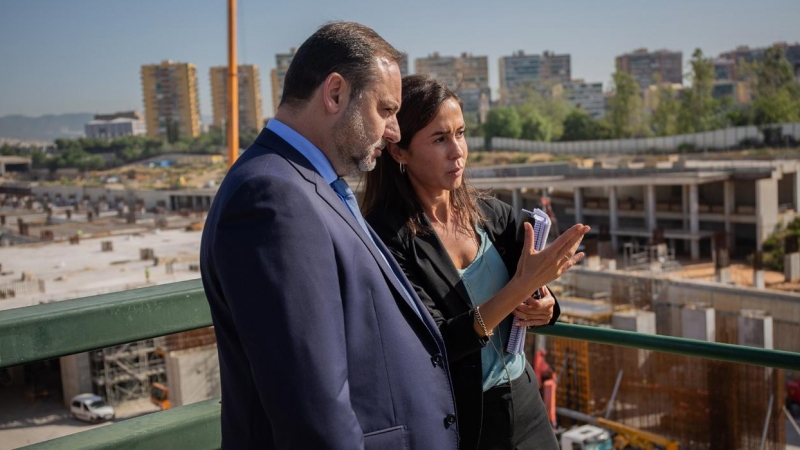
{"x":392,"y":131}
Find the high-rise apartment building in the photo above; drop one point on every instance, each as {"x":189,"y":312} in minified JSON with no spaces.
{"x":586,"y":96}
{"x":171,"y":104}
{"x":249,"y":96}
{"x":556,"y":67}
{"x":520,"y":72}
{"x":644,"y":66}
{"x":467,"y":75}
{"x":745,"y":54}
{"x":277,"y":75}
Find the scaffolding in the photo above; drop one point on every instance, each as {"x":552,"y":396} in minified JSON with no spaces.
{"x":126,"y":372}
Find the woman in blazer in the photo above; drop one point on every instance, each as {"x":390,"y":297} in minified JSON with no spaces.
{"x":458,"y":249}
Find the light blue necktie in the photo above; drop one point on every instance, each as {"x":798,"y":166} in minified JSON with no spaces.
{"x":346,"y":194}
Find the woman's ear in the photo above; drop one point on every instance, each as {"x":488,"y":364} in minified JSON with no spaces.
{"x":398,"y":154}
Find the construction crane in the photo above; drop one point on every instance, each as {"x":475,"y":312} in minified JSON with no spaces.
{"x":233,"y":87}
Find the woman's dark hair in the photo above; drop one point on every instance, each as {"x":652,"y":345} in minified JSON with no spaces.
{"x":347,"y":48}
{"x":386,"y":187}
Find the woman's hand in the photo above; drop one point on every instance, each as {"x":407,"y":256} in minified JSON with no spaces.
{"x":535,"y":312}
{"x":537,"y":269}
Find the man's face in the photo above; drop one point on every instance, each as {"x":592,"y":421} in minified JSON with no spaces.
{"x":369,"y":121}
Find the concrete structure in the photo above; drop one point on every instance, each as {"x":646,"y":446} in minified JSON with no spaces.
{"x":586,"y":96}
{"x":171,"y":103}
{"x":193,"y":375}
{"x":250,"y":116}
{"x":520,"y":72}
{"x":728,"y":302}
{"x":698,"y":321}
{"x":76,"y":376}
{"x":644,"y":66}
{"x":114,"y":128}
{"x":755,"y":329}
{"x":688,"y":199}
{"x":635,"y":320}
{"x":14,"y":164}
{"x":278,"y":74}
{"x":791,"y":267}
{"x":468,"y":75}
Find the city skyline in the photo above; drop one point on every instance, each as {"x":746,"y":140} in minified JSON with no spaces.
{"x":85,"y":56}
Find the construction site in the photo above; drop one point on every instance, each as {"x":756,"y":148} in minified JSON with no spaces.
{"x":62,"y":241}
{"x":650,"y":398}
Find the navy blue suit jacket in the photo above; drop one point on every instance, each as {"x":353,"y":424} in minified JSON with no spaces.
{"x":318,"y":348}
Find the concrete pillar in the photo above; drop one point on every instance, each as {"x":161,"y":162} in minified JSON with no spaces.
{"x":729,"y":196}
{"x":76,"y":375}
{"x":758,"y":279}
{"x":796,"y":191}
{"x":516,"y":200}
{"x":685,"y":206}
{"x":578,"y":193}
{"x":791,"y":267}
{"x":755,"y":329}
{"x":650,"y":206}
{"x":698,"y":322}
{"x":638,"y":321}
{"x":613,"y":216}
{"x":694,"y":221}
{"x":766,"y":209}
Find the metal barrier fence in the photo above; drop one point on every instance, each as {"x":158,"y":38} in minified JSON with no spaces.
{"x":56,"y":329}
{"x":786,"y":134}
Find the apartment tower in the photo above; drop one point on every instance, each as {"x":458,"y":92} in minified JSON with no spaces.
{"x":171,"y":104}
{"x":250,"y":117}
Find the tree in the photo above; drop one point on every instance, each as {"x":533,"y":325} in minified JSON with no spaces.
{"x":626,"y":116}
{"x":502,"y":122}
{"x":543,"y":115}
{"x":777,"y":95}
{"x":535,"y":126}
{"x":699,"y":110}
{"x":579,"y":126}
{"x":665,"y":117}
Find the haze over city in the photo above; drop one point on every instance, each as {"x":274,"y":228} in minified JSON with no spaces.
{"x":61,"y":57}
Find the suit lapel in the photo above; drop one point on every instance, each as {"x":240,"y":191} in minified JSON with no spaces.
{"x":271,"y":140}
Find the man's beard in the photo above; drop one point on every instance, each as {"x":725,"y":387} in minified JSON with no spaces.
{"x":353,"y":147}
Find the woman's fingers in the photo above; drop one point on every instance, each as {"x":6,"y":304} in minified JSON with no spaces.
{"x":537,"y":310}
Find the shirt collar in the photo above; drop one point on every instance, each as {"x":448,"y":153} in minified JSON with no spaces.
{"x":306,"y":148}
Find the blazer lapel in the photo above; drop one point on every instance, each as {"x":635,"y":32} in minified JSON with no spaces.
{"x":432,"y":248}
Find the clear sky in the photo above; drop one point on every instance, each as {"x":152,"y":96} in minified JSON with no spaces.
{"x":59,"y":56}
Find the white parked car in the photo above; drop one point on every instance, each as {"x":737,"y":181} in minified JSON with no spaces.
{"x":91,"y":408}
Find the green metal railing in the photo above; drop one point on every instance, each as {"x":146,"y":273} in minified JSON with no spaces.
{"x":47,"y":331}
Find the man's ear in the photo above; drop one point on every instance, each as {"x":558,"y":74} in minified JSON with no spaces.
{"x":335,"y":92}
{"x":398,"y":154}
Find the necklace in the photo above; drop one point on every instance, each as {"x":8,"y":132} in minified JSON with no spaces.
{"x":481,"y":260}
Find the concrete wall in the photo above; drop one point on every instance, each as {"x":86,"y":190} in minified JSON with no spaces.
{"x":193,"y":375}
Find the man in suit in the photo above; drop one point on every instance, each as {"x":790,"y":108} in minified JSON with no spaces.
{"x":322,"y":342}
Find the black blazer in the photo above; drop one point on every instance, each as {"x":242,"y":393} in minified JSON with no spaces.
{"x":431,"y":271}
{"x":318,"y":348}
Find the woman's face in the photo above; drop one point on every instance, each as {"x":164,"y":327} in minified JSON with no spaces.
{"x":437,"y":154}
